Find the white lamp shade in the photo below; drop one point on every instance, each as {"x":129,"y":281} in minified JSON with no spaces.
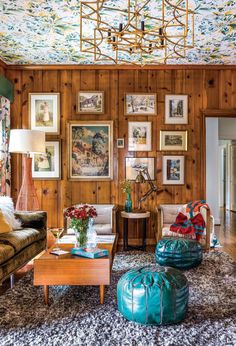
{"x":27,"y":141}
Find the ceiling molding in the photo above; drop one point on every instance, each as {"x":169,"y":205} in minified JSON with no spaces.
{"x":120,"y":67}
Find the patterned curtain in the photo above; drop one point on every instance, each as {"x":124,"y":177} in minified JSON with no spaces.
{"x":5,"y":165}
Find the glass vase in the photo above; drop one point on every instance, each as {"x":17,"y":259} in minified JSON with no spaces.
{"x":92,"y":235}
{"x":128,"y":203}
{"x":81,"y":234}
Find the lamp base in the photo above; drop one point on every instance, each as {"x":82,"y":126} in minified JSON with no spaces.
{"x":27,"y":199}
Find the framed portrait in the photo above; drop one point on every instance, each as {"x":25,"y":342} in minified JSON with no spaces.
{"x":90,"y":102}
{"x":120,"y":143}
{"x":44,"y":112}
{"x":48,"y":165}
{"x":140,"y":104}
{"x":134,"y":164}
{"x":173,"y":170}
{"x":173,"y":140}
{"x":140,"y":136}
{"x":176,"y":109}
{"x":90,"y":150}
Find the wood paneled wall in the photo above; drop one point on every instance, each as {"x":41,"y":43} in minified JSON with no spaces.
{"x":213,"y":88}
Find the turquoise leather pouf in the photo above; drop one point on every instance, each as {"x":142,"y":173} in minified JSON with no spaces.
{"x":179,"y":253}
{"x":153,"y":295}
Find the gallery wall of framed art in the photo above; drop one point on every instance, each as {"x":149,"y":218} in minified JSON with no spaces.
{"x":176,"y":139}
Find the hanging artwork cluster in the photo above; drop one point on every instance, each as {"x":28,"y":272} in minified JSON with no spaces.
{"x":5,"y":165}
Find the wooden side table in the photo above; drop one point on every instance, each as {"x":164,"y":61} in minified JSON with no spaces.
{"x":135,"y":216}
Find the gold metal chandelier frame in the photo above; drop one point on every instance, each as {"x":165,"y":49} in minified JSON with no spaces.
{"x":142,"y":36}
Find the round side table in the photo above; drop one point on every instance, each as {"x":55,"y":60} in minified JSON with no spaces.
{"x":135,"y":216}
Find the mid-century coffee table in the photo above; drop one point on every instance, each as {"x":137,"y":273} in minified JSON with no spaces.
{"x":73,"y":270}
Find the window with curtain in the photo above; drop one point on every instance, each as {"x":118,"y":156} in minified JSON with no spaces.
{"x":5,"y":165}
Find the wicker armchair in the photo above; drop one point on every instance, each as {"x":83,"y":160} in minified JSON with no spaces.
{"x":166,"y":214}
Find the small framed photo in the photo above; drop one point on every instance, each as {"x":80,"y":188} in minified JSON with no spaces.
{"x":48,"y":165}
{"x":173,"y":140}
{"x":173,"y":170}
{"x":134,"y":164}
{"x":176,"y":109}
{"x":90,"y":150}
{"x":140,"y":136}
{"x":90,"y":102}
{"x":120,"y":143}
{"x":140,"y":104}
{"x":44,"y":112}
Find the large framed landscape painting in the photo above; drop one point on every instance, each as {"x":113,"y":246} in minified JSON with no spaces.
{"x":90,"y":150}
{"x":90,"y":102}
{"x":47,"y":166}
{"x":173,"y":170}
{"x":140,"y":104}
{"x":176,"y":109}
{"x":44,"y":112}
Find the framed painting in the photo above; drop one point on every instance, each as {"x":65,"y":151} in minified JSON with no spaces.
{"x":176,"y":109}
{"x":120,"y":143}
{"x":90,"y":102}
{"x":48,"y":165}
{"x":134,"y":164}
{"x":140,"y":104}
{"x":90,"y":150}
{"x":44,"y":112}
{"x":173,"y":170}
{"x":173,"y":140}
{"x":140,"y":136}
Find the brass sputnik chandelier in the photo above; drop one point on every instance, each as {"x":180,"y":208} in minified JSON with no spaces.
{"x":136,"y":32}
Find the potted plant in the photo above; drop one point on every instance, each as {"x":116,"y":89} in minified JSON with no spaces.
{"x":81,"y":217}
{"x":126,"y":187}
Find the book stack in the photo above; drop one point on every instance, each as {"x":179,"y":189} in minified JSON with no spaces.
{"x":90,"y":252}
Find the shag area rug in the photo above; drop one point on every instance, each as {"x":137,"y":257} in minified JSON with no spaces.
{"x":75,"y":316}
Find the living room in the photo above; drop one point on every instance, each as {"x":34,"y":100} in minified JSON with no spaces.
{"x":105,"y":151}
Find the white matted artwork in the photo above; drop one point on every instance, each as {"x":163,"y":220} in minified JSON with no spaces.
{"x":140,"y":103}
{"x":176,"y":109}
{"x":44,"y":112}
{"x":173,"y":170}
{"x":134,"y":164}
{"x":140,"y":136}
{"x":120,"y":143}
{"x":48,"y":165}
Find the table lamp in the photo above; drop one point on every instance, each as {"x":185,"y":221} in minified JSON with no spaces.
{"x":26,"y":142}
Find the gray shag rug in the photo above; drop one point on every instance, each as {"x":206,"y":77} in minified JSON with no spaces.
{"x":75,"y":316}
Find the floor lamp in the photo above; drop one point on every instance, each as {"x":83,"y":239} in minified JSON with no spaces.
{"x":26,"y":142}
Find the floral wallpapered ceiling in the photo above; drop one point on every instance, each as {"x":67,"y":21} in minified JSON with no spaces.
{"x":47,"y":32}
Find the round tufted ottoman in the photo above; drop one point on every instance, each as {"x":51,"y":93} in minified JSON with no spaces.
{"x":179,"y":253}
{"x":153,"y":295}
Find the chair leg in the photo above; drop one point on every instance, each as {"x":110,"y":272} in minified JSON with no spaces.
{"x":12,"y":280}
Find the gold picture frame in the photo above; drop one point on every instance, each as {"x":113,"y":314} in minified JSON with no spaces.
{"x":92,"y":102}
{"x":173,"y":140}
{"x":141,"y":106}
{"x":90,"y":159}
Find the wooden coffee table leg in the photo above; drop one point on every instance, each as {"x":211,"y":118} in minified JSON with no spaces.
{"x":46,"y":293}
{"x":102,"y":287}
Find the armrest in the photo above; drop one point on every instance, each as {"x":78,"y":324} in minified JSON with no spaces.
{"x":208,"y":226}
{"x":32,"y":219}
{"x":115,"y":219}
{"x":159,"y":223}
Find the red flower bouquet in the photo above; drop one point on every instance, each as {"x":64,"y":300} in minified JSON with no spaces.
{"x":80,"y":218}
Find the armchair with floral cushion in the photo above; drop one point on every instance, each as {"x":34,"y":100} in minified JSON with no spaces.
{"x":166,"y":216}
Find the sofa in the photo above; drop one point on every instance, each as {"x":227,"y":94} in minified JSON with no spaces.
{"x":166,"y":215}
{"x":20,"y":246}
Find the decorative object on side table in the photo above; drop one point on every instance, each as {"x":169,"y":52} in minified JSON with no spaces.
{"x":80,"y":222}
{"x":127,"y":188}
{"x":26,"y":142}
{"x":142,"y":172}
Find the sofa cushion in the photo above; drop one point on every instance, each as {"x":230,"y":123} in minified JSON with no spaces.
{"x":103,"y":228}
{"x":21,"y":238}
{"x":6,"y":252}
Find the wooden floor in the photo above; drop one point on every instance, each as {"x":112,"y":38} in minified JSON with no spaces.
{"x":226,"y":234}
